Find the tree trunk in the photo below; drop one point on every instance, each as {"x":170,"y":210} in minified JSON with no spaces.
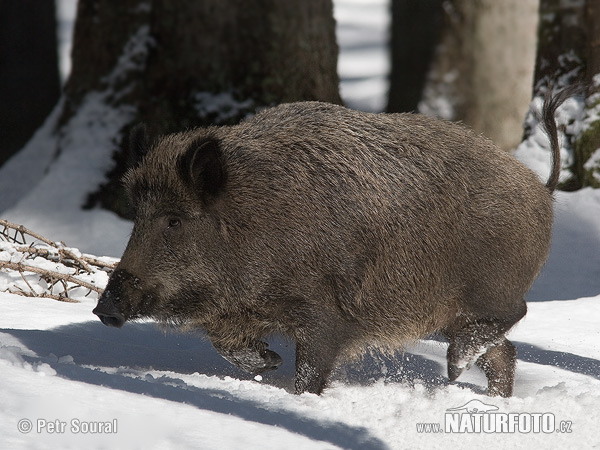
{"x":182,"y":64}
{"x":483,"y":66}
{"x":586,"y":167}
{"x":29,"y":80}
{"x":415,"y":34}
{"x":568,"y":54}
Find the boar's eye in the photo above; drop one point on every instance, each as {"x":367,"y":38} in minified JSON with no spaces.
{"x":174,"y":222}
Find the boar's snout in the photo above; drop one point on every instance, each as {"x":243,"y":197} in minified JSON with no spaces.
{"x":108,"y":313}
{"x":106,"y":308}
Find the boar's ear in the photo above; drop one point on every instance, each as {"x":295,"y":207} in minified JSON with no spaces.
{"x":201,"y":166}
{"x":139,"y":144}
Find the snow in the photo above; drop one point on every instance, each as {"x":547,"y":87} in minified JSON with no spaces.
{"x":363,"y":62}
{"x":222,"y":107}
{"x":66,"y":12}
{"x":167,"y":390}
{"x":594,"y":163}
{"x":173,"y":391}
{"x":535,"y":150}
{"x":52,"y":205}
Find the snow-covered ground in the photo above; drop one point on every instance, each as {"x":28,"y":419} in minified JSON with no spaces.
{"x":63,"y":373}
{"x":171,"y":391}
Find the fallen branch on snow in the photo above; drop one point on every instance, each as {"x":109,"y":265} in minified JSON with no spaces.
{"x":66,"y":272}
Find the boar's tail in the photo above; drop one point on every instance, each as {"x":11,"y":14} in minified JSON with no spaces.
{"x":551,"y":104}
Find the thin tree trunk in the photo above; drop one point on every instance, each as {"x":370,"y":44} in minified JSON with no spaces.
{"x":482,"y":68}
{"x":29,"y":79}
{"x":415,"y":34}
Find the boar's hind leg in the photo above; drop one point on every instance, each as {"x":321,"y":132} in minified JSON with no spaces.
{"x":255,"y":358}
{"x":483,"y":342}
{"x":498,"y":364}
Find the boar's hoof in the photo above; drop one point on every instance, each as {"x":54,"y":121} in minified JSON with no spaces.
{"x":271,"y":361}
{"x":454,"y":371}
{"x":255,"y":359}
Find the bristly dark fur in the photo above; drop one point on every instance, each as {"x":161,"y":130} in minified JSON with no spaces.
{"x":340,"y":230}
{"x":201,"y":166}
{"x":139,"y":144}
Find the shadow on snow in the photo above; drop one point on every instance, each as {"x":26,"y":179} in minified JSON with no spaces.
{"x":144,"y":347}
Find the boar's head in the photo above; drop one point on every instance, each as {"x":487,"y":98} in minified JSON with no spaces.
{"x":164,"y":272}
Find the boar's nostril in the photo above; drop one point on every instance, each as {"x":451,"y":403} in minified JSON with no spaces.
{"x":115,"y":320}
{"x":110,"y":318}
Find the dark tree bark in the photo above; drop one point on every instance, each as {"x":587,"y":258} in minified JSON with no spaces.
{"x":271,"y":52}
{"x":416,"y":29}
{"x":568,"y":54}
{"x":415,"y":33}
{"x":561,"y":42}
{"x":29,"y":79}
{"x":192,"y":63}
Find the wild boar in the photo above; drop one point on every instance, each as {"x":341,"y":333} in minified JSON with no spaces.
{"x":340,"y":230}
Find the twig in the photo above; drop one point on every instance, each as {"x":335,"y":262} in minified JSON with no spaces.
{"x":56,"y":252}
{"x":65,"y":253}
{"x":46,"y":295}
{"x":27,"y":283}
{"x":21,"y":267}
{"x":62,"y":249}
{"x":98,"y":263}
{"x":21,"y":229}
{"x":84,"y":261}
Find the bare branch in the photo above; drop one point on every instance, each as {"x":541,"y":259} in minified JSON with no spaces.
{"x":21,"y":267}
{"x":67,"y":258}
{"x":17,"y":237}
{"x":21,"y":229}
{"x":46,"y":295}
{"x":28,"y":285}
{"x":109,"y":266}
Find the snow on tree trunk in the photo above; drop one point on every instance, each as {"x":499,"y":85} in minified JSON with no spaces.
{"x":268,"y":53}
{"x":176,"y":65}
{"x":483,"y":67}
{"x":569,"y":54}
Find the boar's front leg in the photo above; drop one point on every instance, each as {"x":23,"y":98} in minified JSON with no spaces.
{"x":254,"y":358}
{"x":316,"y":356}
